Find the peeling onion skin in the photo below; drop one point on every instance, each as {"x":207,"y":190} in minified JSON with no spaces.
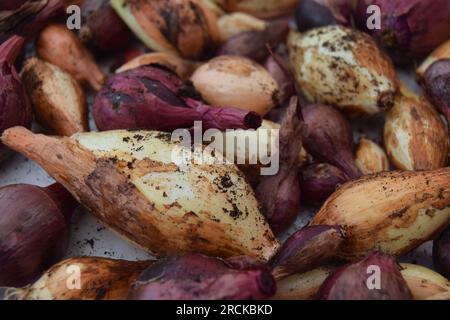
{"x":34,"y":230}
{"x":194,"y":276}
{"x":409,"y":28}
{"x":441,"y":253}
{"x":329,"y":138}
{"x":15,"y":108}
{"x":101,"y":279}
{"x":320,"y":13}
{"x":320,"y":181}
{"x":344,"y":68}
{"x":306,"y":249}
{"x":370,"y":157}
{"x":394,"y":212}
{"x":437,"y":85}
{"x":351,"y":282}
{"x":415,"y":136}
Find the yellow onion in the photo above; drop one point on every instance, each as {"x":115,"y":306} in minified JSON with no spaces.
{"x":423,"y":282}
{"x":236,"y":82}
{"x":343,"y":67}
{"x":187,"y":27}
{"x":415,"y":136}
{"x":238,"y":22}
{"x":264,"y":9}
{"x":393,"y":212}
{"x":183,"y":68}
{"x":441,"y":52}
{"x":370,"y":157}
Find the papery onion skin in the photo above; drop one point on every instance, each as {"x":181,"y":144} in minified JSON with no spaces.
{"x":329,"y":138}
{"x":437,"y":85}
{"x":286,"y":84}
{"x":410,"y":28}
{"x":152,"y":98}
{"x":307,"y":249}
{"x":370,"y":157}
{"x":102,"y":28}
{"x":34,"y":230}
{"x":195,"y":276}
{"x":319,"y":181}
{"x":353,"y":282}
{"x":319,"y":13}
{"x":15,"y":107}
{"x":441,"y":253}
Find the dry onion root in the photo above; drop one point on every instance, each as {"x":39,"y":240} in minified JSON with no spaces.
{"x":393,"y":212}
{"x":129,"y":180}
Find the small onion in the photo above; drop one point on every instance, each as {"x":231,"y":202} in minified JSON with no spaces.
{"x":437,"y":85}
{"x":33,"y":230}
{"x":370,"y":157}
{"x":440,"y":53}
{"x":320,"y":13}
{"x":319,"y":181}
{"x":237,"y":82}
{"x":329,"y":138}
{"x":238,"y":22}
{"x":441,"y":253}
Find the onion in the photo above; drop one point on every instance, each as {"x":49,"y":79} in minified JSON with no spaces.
{"x":441,"y":253}
{"x":409,"y":28}
{"x":329,"y":138}
{"x":437,"y":85}
{"x":370,"y":157}
{"x":319,"y":181}
{"x":34,"y":230}
{"x":376,"y":277}
{"x":154,"y":98}
{"x":15,"y":107}
{"x":286,"y":83}
{"x":320,"y":13}
{"x":195,"y":276}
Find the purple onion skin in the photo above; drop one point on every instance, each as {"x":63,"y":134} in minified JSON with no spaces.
{"x":329,"y":138}
{"x":350,"y":282}
{"x":437,"y":85}
{"x":320,"y":181}
{"x":194,"y":276}
{"x":409,"y":28}
{"x":152,"y":98}
{"x":15,"y":108}
{"x":11,"y":4}
{"x":253,"y":44}
{"x":279,"y":194}
{"x":441,"y":253}
{"x":306,"y":249}
{"x":312,"y":14}
{"x":33,"y":231}
{"x":279,"y":73}
{"x":103,"y":29}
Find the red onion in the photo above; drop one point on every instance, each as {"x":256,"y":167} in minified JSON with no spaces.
{"x":102,"y":27}
{"x":307,"y":249}
{"x":195,"y":276}
{"x":286,"y":83}
{"x":409,"y":28}
{"x":150,"y":97}
{"x":320,"y":13}
{"x":279,"y":194}
{"x":441,"y":253}
{"x":33,"y":230}
{"x":376,"y":277}
{"x":252,"y":44}
{"x":437,"y":85}
{"x":329,"y":138}
{"x":319,"y":181}
{"x":15,"y":109}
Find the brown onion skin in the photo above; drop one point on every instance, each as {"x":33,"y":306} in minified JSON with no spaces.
{"x":34,"y":230}
{"x":441,"y":253}
{"x":319,"y":181}
{"x":307,"y":249}
{"x":329,"y":138}
{"x":102,"y":28}
{"x":15,"y":108}
{"x":437,"y":85}
{"x":153,"y":98}
{"x":409,"y":28}
{"x":320,"y":13}
{"x":350,"y":282}
{"x":252,"y":44}
{"x":195,"y":276}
